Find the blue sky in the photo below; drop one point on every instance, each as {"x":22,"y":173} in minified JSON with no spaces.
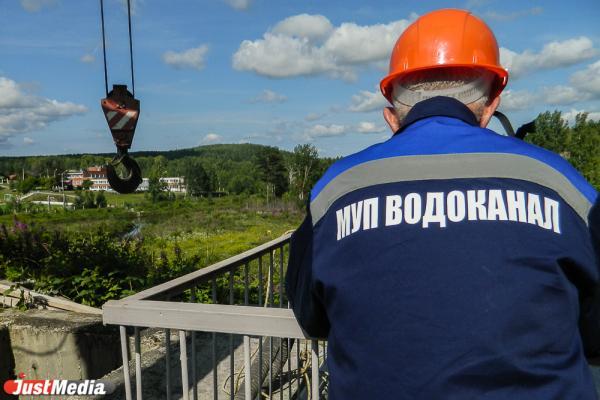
{"x":261,"y":71}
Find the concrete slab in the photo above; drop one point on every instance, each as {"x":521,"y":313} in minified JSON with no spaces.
{"x":45,"y":344}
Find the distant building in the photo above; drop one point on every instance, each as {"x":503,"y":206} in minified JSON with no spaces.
{"x":95,"y":174}
{"x":144,"y":186}
{"x":173,"y":184}
{"x":74,"y":178}
{"x":100,"y":184}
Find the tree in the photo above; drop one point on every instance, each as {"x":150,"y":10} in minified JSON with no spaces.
{"x":79,"y":202}
{"x":101,"y":199}
{"x":86,"y":184}
{"x":302,"y":169}
{"x":551,"y":132}
{"x":27,"y":185}
{"x":584,"y":148}
{"x":578,"y":144}
{"x":156,"y":187}
{"x":88,"y":200}
{"x":273,"y":173}
{"x":197,"y":180}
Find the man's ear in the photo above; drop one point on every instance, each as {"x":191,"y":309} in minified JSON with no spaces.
{"x":389,"y":114}
{"x":488,"y":111}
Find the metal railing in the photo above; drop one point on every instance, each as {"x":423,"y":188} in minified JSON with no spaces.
{"x":241,"y":304}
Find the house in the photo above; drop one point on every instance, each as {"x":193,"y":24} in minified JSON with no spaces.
{"x":172,"y":183}
{"x":95,"y":174}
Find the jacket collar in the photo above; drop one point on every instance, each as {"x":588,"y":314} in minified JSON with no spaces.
{"x":438,"y":106}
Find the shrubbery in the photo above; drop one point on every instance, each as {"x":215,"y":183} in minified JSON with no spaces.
{"x":86,"y":268}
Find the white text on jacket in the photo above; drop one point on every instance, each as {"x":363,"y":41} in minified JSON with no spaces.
{"x":440,"y":208}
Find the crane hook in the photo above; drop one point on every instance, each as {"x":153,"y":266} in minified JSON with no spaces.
{"x":122,"y":111}
{"x":132,"y":178}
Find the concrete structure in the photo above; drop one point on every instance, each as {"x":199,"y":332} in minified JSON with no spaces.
{"x":56,"y":344}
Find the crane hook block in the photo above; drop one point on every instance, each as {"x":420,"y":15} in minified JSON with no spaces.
{"x":131,"y":179}
{"x":121,"y":111}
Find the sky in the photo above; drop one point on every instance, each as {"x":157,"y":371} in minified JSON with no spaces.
{"x":272,"y":72}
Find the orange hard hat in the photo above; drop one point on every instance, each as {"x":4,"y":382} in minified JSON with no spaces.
{"x":442,"y":39}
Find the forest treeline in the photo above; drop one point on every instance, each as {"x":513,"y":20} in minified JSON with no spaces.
{"x":231,"y":168}
{"x":257,"y":169}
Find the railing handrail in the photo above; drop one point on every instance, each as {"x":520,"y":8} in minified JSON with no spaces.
{"x":178,"y":285}
{"x":241,"y":320}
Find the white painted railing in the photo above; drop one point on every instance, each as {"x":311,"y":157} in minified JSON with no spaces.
{"x":242,"y":297}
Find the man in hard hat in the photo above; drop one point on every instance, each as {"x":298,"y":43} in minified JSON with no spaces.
{"x":450,"y":262}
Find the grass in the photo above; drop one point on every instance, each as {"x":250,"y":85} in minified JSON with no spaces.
{"x":211,"y":228}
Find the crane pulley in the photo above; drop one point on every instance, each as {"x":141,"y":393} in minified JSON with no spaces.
{"x":121,"y":110}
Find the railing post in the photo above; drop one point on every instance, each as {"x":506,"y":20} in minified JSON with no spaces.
{"x":125,"y":354}
{"x":185,"y":386}
{"x":168,"y":361}
{"x":315,"y":370}
{"x":231,"y":351}
{"x":247,"y":369}
{"x":214,"y":346}
{"x":138,"y":364}
{"x":194,"y":371}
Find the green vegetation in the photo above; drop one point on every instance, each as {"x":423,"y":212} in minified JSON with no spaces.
{"x":579,"y":144}
{"x":95,"y":255}
{"x":231,"y":168}
{"x":111,"y":245}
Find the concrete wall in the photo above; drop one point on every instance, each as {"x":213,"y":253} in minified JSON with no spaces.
{"x":56,"y":344}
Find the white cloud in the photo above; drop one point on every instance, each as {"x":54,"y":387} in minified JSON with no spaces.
{"x":498,"y":16}
{"x":369,"y":127}
{"x":239,"y":5}
{"x":211,"y":138}
{"x":321,"y":130}
{"x":191,"y":58}
{"x":36,"y":5}
{"x":553,"y":55}
{"x":585,"y":85}
{"x":279,"y":56}
{"x":366,"y":101}
{"x":356,"y":44}
{"x":269,"y":96}
{"x":22,"y":112}
{"x":563,"y":95}
{"x":87,"y":58}
{"x":570,"y":115}
{"x":518,"y":100}
{"x":28,"y":141}
{"x":305,"y":45}
{"x":312,"y":27}
{"x":588,"y":80}
{"x":313,"y":116}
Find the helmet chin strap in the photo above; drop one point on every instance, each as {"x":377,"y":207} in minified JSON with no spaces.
{"x":466,"y":93}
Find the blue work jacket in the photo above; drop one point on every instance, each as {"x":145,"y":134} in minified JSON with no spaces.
{"x":451,"y":262}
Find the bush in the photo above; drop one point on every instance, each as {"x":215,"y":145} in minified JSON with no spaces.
{"x":86,"y":268}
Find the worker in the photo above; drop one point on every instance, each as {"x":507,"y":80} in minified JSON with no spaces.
{"x":450,"y":262}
